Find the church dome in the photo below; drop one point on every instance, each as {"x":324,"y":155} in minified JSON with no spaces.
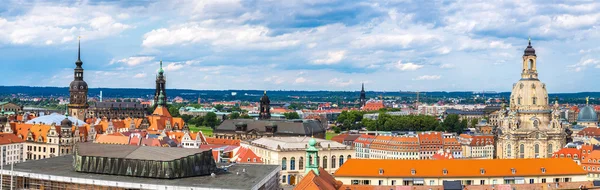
{"x":587,"y":114}
{"x":78,"y":85}
{"x":529,"y":93}
{"x":529,"y":50}
{"x":66,"y":122}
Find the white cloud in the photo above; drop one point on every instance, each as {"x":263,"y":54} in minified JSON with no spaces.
{"x":173,"y":67}
{"x":140,"y":75}
{"x":447,"y":66}
{"x":300,"y":80}
{"x":340,"y":82}
{"x":405,"y":66}
{"x":274,"y":80}
{"x":332,"y":58}
{"x":428,"y":77}
{"x":133,"y":61}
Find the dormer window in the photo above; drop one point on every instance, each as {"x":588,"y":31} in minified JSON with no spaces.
{"x":413,"y":171}
{"x":482,"y":171}
{"x":513,"y":170}
{"x":444,"y":171}
{"x":543,"y":170}
{"x":380,"y":171}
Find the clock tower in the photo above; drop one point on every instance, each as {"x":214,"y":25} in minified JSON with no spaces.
{"x":78,"y":90}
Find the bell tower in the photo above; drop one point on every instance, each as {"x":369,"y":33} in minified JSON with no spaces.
{"x":78,"y":90}
{"x":161,"y":81}
{"x":312,"y":153}
{"x":529,"y":63}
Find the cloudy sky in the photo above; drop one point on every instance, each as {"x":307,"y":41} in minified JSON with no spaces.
{"x":302,"y":44}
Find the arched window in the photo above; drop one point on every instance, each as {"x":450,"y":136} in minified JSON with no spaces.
{"x":348,"y":157}
{"x":284,"y":163}
{"x":537,"y":150}
{"x":522,"y":151}
{"x":317,"y":161}
{"x":341,"y":160}
{"x":324,"y":162}
{"x":530,"y":64}
{"x":301,"y":163}
{"x":549,"y":150}
{"x":536,"y":124}
{"x":534,"y":99}
{"x":333,"y":162}
{"x":508,"y":151}
{"x":293,"y":163}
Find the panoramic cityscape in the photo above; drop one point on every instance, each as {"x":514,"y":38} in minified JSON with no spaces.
{"x":294,"y":95}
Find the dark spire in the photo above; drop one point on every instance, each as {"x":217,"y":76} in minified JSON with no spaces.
{"x":363,"y":87}
{"x":79,"y":62}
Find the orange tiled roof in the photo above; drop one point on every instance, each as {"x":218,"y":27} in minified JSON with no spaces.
{"x":243,"y":154}
{"x":567,"y":152}
{"x":593,"y":157}
{"x":590,"y":132}
{"x":9,"y":138}
{"x":234,"y":142}
{"x":162,"y":111}
{"x":323,"y":181}
{"x":482,"y":140}
{"x":111,"y":139}
{"x":458,"y":168}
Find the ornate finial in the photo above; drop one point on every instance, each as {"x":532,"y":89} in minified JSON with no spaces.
{"x":265,"y":92}
{"x":79,"y":48}
{"x":587,"y":100}
{"x":67,"y":112}
{"x":529,"y":40}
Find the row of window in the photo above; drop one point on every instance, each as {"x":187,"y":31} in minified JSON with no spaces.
{"x":284,"y":162}
{"x":412,"y":182}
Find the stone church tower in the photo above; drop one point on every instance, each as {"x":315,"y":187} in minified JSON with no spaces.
{"x":161,"y":81}
{"x":78,"y":91}
{"x":265,"y":107}
{"x":530,"y":128}
{"x":363,"y":96}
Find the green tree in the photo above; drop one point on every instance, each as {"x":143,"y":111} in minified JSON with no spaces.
{"x":234,"y":115}
{"x":245,"y":116}
{"x":174,"y":111}
{"x":210,"y":120}
{"x":219,"y":107}
{"x":474,"y":122}
{"x":186,"y":118}
{"x":291,"y":115}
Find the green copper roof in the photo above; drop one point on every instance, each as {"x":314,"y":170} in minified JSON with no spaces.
{"x":161,"y":71}
{"x":160,"y":98}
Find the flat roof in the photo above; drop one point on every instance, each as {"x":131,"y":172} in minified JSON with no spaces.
{"x":60,"y":168}
{"x":136,"y":152}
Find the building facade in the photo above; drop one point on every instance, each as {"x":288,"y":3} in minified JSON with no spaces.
{"x":291,"y":154}
{"x":117,"y":110}
{"x":531,"y":128}
{"x":12,"y":149}
{"x":468,"y":172}
{"x":161,"y":81}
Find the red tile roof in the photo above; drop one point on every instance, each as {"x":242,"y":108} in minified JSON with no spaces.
{"x":9,"y":138}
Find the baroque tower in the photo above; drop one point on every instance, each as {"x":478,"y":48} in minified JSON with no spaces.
{"x":530,"y":128}
{"x":160,"y":88}
{"x":265,"y":107}
{"x":78,"y":90}
{"x":312,"y":154}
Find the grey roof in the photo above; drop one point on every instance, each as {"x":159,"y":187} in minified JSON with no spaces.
{"x":464,"y":112}
{"x":288,"y":127}
{"x":135,"y":152}
{"x":117,"y":105}
{"x":62,"y":167}
{"x":587,"y":114}
{"x":55,"y":118}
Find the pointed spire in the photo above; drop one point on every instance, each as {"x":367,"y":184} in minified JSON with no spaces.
{"x":363,"y":86}
{"x":529,"y":40}
{"x":67,"y":112}
{"x":160,"y":70}
{"x":79,"y":48}
{"x":587,"y":100}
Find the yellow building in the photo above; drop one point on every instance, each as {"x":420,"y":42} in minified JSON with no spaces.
{"x":531,"y":127}
{"x":470,"y":172}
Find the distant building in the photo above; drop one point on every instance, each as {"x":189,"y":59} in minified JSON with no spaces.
{"x":373,"y":105}
{"x":252,"y":129}
{"x":117,"y":110}
{"x":290,"y":154}
{"x":363,"y":96}
{"x":10,"y":108}
{"x":477,"y":146}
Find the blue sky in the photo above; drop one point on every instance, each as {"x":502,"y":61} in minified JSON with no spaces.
{"x":302,"y":44}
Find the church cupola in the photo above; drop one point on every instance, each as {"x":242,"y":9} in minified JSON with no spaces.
{"x":363,"y":96}
{"x":529,"y":63}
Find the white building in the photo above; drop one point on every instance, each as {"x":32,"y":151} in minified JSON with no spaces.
{"x":12,"y":149}
{"x":290,"y":154}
